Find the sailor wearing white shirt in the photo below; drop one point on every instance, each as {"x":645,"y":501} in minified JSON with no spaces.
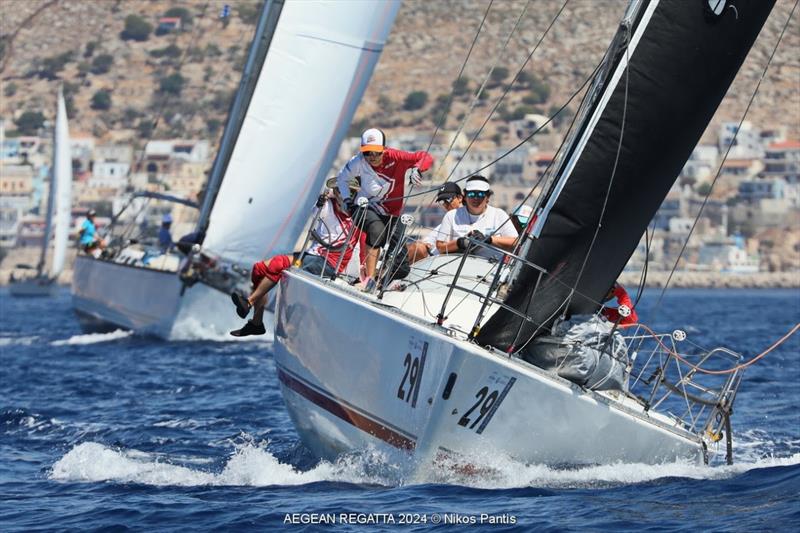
{"x":479,"y":220}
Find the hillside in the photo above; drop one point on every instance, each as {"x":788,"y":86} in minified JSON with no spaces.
{"x":44,"y":42}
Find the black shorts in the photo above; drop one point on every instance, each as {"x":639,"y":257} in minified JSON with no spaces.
{"x":378,"y":227}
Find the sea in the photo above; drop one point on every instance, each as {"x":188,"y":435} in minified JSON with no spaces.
{"x":116,"y":431}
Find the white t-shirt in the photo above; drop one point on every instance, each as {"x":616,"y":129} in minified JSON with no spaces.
{"x":430,"y":239}
{"x":458,"y":222}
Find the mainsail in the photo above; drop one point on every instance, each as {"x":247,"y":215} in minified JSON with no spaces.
{"x":669,"y":67}
{"x":62,"y":181}
{"x":320,"y":59}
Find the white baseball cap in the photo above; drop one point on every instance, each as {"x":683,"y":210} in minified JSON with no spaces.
{"x":373,"y":140}
{"x":476,"y":183}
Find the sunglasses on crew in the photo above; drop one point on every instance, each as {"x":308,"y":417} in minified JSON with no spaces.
{"x":476,"y":194}
{"x":372,"y":154}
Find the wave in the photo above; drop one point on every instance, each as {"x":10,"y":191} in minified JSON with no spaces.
{"x":253,"y":465}
{"x":93,"y":338}
{"x":250,"y":465}
{"x":191,"y":329}
{"x":20,"y":341}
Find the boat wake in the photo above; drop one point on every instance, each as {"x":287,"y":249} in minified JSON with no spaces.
{"x":19,"y":341}
{"x":191,"y":329}
{"x":93,"y":338}
{"x":253,"y":465}
{"x":249,"y":465}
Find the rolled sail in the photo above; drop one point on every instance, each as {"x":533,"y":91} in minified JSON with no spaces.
{"x":671,"y":64}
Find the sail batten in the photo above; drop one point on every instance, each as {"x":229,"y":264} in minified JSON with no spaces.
{"x":668,"y":84}
{"x":317,"y":67}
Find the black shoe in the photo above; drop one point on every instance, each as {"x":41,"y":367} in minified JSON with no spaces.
{"x":249,"y":329}
{"x":241,"y":303}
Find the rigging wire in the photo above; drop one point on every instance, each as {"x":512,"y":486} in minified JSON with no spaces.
{"x":725,"y":157}
{"x":443,"y":116}
{"x":613,"y":170}
{"x":486,"y":79}
{"x":508,"y":87}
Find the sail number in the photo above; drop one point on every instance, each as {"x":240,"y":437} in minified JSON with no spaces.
{"x":413,"y":366}
{"x":411,"y":376}
{"x":486,"y":401}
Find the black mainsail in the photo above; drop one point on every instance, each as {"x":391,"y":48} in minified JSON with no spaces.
{"x":664,"y":76}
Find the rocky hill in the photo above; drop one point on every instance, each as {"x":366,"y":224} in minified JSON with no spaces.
{"x":181,"y":81}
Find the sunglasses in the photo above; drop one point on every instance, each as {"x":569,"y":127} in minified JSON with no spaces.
{"x":372,"y":154}
{"x":476,"y":194}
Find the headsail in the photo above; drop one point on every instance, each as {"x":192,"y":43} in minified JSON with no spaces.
{"x":318,"y":65}
{"x":62,"y":181}
{"x":651,"y":103}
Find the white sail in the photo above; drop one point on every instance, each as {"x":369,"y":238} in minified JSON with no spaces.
{"x":62,"y":181}
{"x":319,"y":62}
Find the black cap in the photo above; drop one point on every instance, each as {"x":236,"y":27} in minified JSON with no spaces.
{"x":91,"y":213}
{"x":448,"y":191}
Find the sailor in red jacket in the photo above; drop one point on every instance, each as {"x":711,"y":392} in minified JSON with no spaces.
{"x":613,"y":314}
{"x":382,"y":172}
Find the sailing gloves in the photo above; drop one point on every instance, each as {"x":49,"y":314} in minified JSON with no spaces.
{"x":350,"y":206}
{"x":414,"y":177}
{"x":464,"y":243}
{"x":321,"y":200}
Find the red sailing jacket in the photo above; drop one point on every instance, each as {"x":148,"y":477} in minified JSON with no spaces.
{"x":613,"y":315}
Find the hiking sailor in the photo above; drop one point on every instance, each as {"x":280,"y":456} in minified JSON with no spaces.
{"x":382,"y":172}
{"x":321,"y":258}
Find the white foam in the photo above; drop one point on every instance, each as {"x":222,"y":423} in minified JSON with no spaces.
{"x":250,"y":465}
{"x":499,"y":472}
{"x":93,"y":338}
{"x":192,"y":329}
{"x":253,"y":465}
{"x":22,"y":341}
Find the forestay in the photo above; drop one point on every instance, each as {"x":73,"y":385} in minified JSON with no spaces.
{"x":318,"y":65}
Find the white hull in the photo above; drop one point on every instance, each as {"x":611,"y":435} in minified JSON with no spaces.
{"x":344,"y":363}
{"x":33,"y":287}
{"x":112,"y":295}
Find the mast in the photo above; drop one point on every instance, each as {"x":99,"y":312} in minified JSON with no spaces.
{"x":268,"y":20}
{"x":669,"y":67}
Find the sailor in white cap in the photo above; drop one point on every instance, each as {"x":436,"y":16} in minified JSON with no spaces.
{"x":383,"y":172}
{"x":478,"y":220}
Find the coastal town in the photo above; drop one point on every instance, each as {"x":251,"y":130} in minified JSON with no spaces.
{"x":749,"y":223}
{"x":147,"y":105}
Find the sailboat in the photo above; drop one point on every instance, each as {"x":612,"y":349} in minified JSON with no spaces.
{"x":446,"y":367}
{"x":307,"y":68}
{"x":59,"y":206}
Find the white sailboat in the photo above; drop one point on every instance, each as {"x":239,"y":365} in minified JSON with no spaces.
{"x":446,"y":366}
{"x":59,"y":206}
{"x":308,"y":67}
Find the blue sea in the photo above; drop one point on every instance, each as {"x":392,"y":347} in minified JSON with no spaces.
{"x":117,"y":431}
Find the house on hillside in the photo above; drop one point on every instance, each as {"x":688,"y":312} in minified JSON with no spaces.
{"x":168,"y":24}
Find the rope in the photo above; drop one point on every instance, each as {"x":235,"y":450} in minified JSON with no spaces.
{"x":725,"y":157}
{"x":721,"y":372}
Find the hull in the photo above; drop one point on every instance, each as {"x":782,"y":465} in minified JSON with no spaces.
{"x":33,"y":287}
{"x":407,"y":386}
{"x":108,"y":295}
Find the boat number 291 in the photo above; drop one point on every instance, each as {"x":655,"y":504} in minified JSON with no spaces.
{"x":413,"y":365}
